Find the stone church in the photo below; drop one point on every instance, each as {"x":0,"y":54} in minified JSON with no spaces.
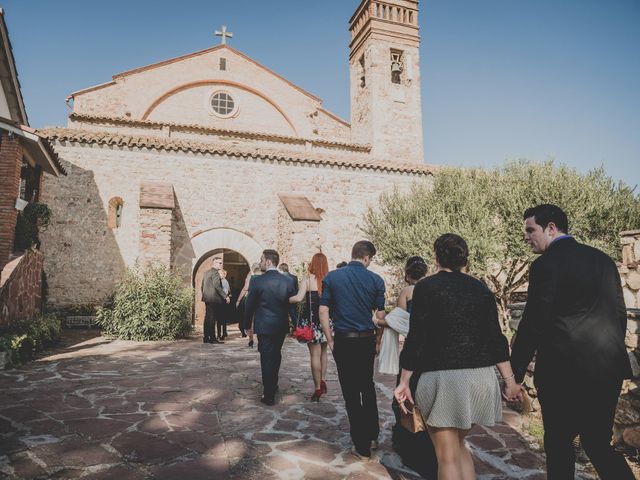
{"x":213,"y":153}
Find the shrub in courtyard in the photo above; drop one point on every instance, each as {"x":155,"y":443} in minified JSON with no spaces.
{"x":22,"y":340}
{"x":148,"y":305}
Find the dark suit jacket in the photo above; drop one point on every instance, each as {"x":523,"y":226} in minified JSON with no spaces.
{"x":268,"y":301}
{"x":575,"y":319}
{"x":292,"y":277}
{"x":212,"y":291}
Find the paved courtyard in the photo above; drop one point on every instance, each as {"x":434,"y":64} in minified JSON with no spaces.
{"x":101,"y":409}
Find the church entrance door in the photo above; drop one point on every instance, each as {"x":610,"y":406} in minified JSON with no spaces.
{"x":237,"y":269}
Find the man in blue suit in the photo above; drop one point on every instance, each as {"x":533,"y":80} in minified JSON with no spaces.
{"x":268,"y":306}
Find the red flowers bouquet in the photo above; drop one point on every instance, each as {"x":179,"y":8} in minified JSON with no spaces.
{"x":304,"y":333}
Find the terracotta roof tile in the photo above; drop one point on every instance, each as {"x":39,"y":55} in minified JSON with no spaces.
{"x":219,"y":131}
{"x":167,"y":144}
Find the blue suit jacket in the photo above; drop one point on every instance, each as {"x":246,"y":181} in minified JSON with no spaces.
{"x":268,"y":303}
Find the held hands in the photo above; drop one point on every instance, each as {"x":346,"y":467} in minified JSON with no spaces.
{"x":330,"y":343}
{"x":511,"y":391}
{"x":402,"y":394}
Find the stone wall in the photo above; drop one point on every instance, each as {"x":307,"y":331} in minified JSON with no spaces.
{"x":630,"y":268}
{"x":21,"y":288}
{"x":627,"y":426}
{"x":85,"y":258}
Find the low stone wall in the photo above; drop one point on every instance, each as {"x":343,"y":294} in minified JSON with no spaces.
{"x":630,"y":268}
{"x":21,"y":288}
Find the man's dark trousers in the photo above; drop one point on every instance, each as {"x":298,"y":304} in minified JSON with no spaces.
{"x":270,"y":347}
{"x":591,"y":419}
{"x":354,"y":358}
{"x":210,"y":314}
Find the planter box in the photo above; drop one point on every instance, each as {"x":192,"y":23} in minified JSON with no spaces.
{"x":86,"y":321}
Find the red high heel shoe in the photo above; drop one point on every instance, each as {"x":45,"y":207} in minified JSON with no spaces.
{"x":316,"y":395}
{"x":323,"y":386}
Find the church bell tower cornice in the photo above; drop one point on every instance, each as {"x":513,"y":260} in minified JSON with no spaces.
{"x":392,"y":20}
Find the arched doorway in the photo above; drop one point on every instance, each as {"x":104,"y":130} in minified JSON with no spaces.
{"x":237,"y":268}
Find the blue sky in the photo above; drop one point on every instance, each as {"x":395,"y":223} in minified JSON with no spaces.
{"x":500,"y":78}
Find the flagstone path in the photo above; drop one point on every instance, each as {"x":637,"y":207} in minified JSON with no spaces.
{"x":104,"y":409}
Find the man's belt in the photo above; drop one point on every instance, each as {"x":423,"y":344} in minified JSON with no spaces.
{"x":366,"y":333}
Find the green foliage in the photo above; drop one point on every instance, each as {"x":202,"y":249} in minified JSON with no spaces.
{"x":485,"y":207}
{"x":77,"y":309}
{"x":152,"y":305}
{"x":34,"y":218}
{"x":26,"y":338}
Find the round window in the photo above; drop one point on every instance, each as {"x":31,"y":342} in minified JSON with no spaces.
{"x":223,"y":104}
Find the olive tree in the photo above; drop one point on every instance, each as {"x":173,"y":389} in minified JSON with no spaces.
{"x":485,"y":207}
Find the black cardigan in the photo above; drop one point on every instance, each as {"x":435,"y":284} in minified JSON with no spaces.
{"x":454,"y":324}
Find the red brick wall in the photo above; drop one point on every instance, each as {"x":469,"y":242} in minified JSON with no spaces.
{"x":21,"y":288}
{"x":10,"y":166}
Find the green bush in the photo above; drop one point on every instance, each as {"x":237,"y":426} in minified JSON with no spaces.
{"x":152,"y":305}
{"x":76,"y":309}
{"x":26,"y":338}
{"x":34,"y":219}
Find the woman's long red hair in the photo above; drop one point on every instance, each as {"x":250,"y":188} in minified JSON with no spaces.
{"x":319,"y":267}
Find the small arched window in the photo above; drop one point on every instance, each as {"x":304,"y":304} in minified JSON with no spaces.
{"x":114,"y":217}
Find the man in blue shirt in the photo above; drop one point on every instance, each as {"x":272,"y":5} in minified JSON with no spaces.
{"x":353,"y":294}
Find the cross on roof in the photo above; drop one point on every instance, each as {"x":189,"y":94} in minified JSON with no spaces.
{"x":224,"y":34}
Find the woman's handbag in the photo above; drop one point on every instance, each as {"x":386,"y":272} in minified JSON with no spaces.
{"x":305,"y":333}
{"x":412,"y":420}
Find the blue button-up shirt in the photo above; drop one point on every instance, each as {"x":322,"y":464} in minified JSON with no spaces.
{"x":353,"y":293}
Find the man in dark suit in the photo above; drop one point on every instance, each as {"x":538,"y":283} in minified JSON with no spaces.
{"x":214,"y":298}
{"x":293,"y":307}
{"x":575,"y":323}
{"x":268,"y":306}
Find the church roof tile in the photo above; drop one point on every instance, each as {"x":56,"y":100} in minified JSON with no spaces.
{"x":358,"y":147}
{"x":168,"y":144}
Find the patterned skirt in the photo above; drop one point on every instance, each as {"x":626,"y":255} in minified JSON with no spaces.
{"x":460,"y":398}
{"x":311,"y":316}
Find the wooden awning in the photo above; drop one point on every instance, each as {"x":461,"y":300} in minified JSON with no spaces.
{"x":299,"y":208}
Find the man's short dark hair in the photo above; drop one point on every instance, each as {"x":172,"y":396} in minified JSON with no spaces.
{"x":272,"y":256}
{"x":363,"y":248}
{"x":547,"y":213}
{"x":283,"y":267}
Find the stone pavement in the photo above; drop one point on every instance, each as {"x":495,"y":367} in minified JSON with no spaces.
{"x":104,"y":409}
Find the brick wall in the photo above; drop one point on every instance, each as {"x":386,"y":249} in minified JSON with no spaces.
{"x":155,"y":236}
{"x":10,"y":166}
{"x":21,"y":288}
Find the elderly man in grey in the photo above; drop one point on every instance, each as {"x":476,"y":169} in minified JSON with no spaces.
{"x":214,"y":298}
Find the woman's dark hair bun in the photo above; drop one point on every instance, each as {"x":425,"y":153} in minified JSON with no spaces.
{"x":416,"y":268}
{"x":451,"y":251}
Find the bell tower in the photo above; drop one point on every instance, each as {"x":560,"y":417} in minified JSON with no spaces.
{"x":384,"y":64}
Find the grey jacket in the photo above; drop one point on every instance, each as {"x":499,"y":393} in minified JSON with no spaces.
{"x":212,"y":291}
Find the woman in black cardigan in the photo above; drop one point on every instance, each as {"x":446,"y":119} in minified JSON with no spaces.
{"x":455,"y":340}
